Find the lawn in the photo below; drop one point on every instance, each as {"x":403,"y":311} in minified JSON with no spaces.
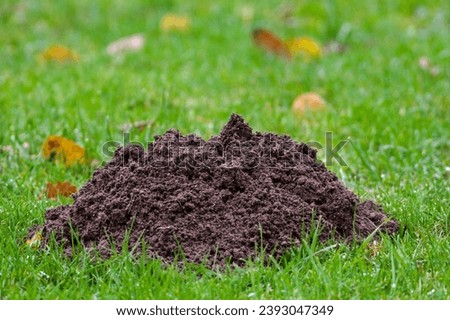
{"x":394,"y":111}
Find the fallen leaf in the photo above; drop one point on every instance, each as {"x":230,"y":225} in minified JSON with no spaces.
{"x":132,"y":43}
{"x":64,"y":189}
{"x":62,"y":149}
{"x":170,"y":22}
{"x":270,"y":43}
{"x":304,"y":45}
{"x":307,"y":101}
{"x":35,"y":240}
{"x":59,"y":53}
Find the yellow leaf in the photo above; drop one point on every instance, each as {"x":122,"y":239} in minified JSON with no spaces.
{"x":307,"y":101}
{"x":64,"y":189}
{"x":35,"y":240}
{"x":60,"y":54}
{"x":62,"y":149}
{"x":175,"y":22}
{"x":304,"y":45}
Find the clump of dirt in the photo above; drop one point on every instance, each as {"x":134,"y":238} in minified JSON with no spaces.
{"x":215,"y":200}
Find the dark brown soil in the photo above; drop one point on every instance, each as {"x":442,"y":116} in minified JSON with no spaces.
{"x":214,"y":199}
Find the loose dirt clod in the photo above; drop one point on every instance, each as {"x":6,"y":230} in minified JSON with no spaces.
{"x":213,"y":199}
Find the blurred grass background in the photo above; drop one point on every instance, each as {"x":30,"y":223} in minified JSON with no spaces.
{"x":394,"y":112}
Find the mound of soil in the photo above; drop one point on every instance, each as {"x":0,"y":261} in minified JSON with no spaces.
{"x":214,"y":199}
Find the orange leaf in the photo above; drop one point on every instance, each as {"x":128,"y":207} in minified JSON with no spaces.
{"x":64,"y":189}
{"x":60,"y":54}
{"x":62,"y":149}
{"x":270,"y":43}
{"x":307,"y":101}
{"x":175,"y":22}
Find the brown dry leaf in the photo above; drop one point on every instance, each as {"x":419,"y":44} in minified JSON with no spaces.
{"x":62,"y":149}
{"x":175,"y":22}
{"x":270,"y":43}
{"x":134,"y":42}
{"x":307,"y":101}
{"x":60,"y":54}
{"x":35,"y":240}
{"x":305,"y":46}
{"x":64,"y":189}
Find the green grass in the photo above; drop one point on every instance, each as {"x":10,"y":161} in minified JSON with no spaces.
{"x":395,"y":113}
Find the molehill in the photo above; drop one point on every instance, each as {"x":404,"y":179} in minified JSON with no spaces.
{"x":215,"y":200}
